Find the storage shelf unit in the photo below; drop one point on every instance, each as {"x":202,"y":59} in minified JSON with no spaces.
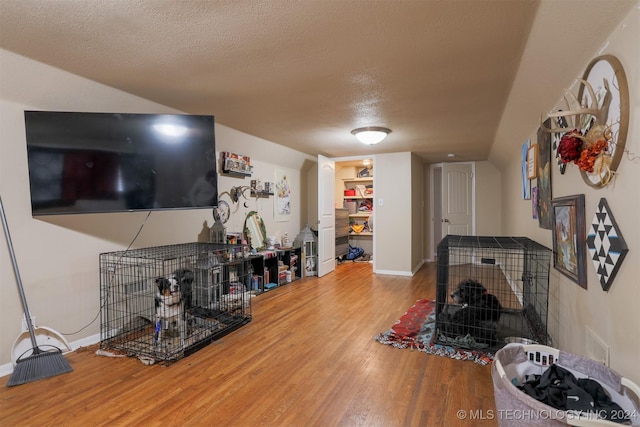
{"x":352,"y":203}
{"x":342,"y":232}
{"x":267,"y":268}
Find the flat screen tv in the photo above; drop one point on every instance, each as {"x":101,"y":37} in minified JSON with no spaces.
{"x":108,"y":162}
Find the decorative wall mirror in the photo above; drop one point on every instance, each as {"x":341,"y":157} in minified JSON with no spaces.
{"x":254,"y":231}
{"x":608,"y":80}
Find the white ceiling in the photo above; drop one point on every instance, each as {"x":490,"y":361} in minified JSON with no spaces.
{"x":305,"y":73}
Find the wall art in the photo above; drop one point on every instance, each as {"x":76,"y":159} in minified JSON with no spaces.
{"x":593,"y":131}
{"x":526,"y":184}
{"x":282,"y":206}
{"x":544,"y":178}
{"x":532,"y":164}
{"x":607,"y":247}
{"x":569,"y":232}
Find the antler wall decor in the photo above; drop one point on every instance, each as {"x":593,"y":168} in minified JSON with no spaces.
{"x":594,"y":126}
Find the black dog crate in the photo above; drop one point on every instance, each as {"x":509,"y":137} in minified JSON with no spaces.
{"x":515,"y":270}
{"x":163,"y":303}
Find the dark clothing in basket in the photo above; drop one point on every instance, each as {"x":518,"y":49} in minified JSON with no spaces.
{"x":559,"y":388}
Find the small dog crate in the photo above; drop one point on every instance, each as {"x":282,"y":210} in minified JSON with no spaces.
{"x":163,"y":303}
{"x":489,"y":289}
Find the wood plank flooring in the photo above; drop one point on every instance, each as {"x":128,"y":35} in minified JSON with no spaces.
{"x":308,"y":358}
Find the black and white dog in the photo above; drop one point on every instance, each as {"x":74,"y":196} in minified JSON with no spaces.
{"x":477,"y":313}
{"x":172,"y":301}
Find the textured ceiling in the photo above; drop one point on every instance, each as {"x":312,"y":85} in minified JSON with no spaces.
{"x":299,"y":73}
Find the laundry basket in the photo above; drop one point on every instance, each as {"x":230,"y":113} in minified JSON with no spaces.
{"x":516,"y":408}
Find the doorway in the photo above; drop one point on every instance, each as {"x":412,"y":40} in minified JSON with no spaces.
{"x":353,"y":193}
{"x":452,"y":201}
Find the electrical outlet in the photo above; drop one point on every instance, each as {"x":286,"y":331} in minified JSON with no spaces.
{"x":597,"y":349}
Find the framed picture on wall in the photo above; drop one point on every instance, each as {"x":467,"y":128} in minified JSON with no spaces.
{"x":569,"y":238}
{"x":526,"y":184}
{"x":532,"y":164}
{"x":543,"y":165}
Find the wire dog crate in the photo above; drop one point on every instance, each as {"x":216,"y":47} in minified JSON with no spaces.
{"x":489,"y":289}
{"x":163,"y":303}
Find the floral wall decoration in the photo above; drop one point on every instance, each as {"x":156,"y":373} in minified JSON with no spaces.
{"x":282,"y":205}
{"x":606,"y":245}
{"x":591,"y":132}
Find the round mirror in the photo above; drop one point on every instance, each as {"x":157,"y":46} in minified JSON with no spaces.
{"x":254,"y":231}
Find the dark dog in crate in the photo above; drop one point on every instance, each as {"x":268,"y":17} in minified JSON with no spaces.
{"x":472,"y":293}
{"x":172,"y":301}
{"x":476,"y":314}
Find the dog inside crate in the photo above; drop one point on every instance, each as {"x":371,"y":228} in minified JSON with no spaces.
{"x":163,"y":303}
{"x":489,"y":290}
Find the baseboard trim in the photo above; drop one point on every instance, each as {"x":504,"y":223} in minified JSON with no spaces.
{"x":394,"y":273}
{"x":7,"y":368}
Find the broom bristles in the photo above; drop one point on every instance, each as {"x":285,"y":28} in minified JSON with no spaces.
{"x":40,"y":365}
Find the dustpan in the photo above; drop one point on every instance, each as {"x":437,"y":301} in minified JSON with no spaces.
{"x":37,"y":362}
{"x":44,"y":337}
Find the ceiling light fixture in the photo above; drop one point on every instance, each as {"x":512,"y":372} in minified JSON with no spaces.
{"x":371,"y":135}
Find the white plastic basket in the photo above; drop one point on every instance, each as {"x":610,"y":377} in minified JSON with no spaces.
{"x":515,"y":408}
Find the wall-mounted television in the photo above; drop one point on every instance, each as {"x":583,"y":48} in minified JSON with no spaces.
{"x":111,"y":162}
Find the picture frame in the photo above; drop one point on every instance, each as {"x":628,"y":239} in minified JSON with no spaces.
{"x":526,"y":183}
{"x":532,"y":161}
{"x":543,"y":159}
{"x":569,"y":238}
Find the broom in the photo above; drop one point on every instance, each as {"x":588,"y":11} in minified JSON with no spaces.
{"x":37,"y":363}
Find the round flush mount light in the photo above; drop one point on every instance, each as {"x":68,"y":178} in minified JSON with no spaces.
{"x":371,"y":135}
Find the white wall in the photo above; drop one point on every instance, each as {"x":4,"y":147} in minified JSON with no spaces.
{"x":614,"y":315}
{"x":488,"y":200}
{"x":393,"y":232}
{"x":419,"y":214}
{"x":58,"y":255}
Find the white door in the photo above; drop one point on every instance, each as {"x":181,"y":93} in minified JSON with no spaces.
{"x":457,"y":199}
{"x":326,"y":216}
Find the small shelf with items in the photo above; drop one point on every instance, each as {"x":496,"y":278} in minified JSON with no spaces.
{"x":236,"y":165}
{"x":260,"y":189}
{"x":289,"y":258}
{"x":270,"y":269}
{"x":358,"y":188}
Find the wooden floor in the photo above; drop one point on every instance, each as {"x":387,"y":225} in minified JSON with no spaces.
{"x":308,"y":358}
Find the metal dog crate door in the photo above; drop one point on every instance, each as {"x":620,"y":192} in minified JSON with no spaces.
{"x":163,"y":303}
{"x":489,"y":289}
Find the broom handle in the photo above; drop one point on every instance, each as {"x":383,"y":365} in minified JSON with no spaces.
{"x":34,"y":343}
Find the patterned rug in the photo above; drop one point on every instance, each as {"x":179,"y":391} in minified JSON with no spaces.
{"x":416,"y":329}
